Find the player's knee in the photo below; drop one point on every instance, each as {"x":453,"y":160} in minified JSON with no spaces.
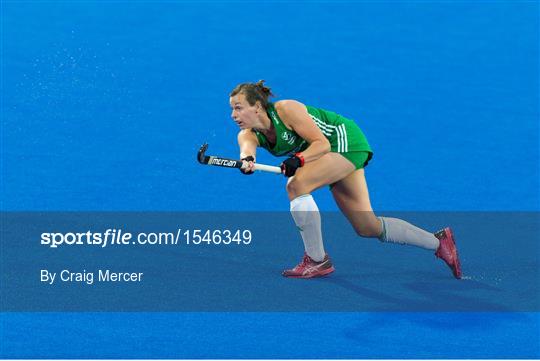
{"x":296,"y":187}
{"x":361,"y":231}
{"x":368,"y":230}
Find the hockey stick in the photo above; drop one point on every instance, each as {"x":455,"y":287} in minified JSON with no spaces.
{"x":231,"y":163}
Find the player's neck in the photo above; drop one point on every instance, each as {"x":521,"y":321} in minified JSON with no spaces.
{"x":265,"y":124}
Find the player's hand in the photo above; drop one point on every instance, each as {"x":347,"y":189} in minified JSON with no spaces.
{"x":290,"y":165}
{"x":250,"y":167}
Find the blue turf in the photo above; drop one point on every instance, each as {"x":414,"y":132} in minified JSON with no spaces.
{"x":104,"y":105}
{"x":273,"y":335}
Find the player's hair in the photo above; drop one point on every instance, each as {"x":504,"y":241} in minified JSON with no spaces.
{"x":254,"y":92}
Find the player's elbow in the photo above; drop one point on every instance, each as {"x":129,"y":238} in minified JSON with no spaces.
{"x":325,"y":145}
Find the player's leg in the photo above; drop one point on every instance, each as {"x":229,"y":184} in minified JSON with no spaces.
{"x":326,"y":170}
{"x":352,"y":196}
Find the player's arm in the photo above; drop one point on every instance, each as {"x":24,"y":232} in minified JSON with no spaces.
{"x":248,"y":142}
{"x":296,"y":116}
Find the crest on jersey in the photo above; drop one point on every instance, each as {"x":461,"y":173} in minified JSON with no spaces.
{"x":288,"y":137}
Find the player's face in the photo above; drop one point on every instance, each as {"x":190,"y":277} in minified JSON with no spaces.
{"x":243,"y":114}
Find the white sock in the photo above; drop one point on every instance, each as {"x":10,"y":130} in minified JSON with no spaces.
{"x":398,"y":231}
{"x":306,"y":215}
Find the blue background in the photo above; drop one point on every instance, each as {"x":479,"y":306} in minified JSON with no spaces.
{"x":104,"y":105}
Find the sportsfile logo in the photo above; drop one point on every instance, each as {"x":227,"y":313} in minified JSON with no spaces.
{"x":224,"y":162}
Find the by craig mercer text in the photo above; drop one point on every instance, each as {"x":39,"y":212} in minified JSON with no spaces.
{"x":118,"y":237}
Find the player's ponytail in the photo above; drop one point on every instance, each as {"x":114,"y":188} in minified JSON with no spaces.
{"x":266,"y":91}
{"x":254,"y":92}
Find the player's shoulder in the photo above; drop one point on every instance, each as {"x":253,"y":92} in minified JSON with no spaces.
{"x":247,"y":134}
{"x":286,"y":106}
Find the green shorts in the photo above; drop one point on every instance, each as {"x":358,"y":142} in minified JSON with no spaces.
{"x":360,"y":159}
{"x":349,"y":141}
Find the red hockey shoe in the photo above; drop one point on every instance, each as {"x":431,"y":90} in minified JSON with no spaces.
{"x":308,"y":268}
{"x":447,"y":251}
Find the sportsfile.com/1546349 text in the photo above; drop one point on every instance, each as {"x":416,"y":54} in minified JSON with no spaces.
{"x":118,"y":237}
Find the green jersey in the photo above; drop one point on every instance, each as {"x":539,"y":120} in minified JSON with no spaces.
{"x":342,"y":133}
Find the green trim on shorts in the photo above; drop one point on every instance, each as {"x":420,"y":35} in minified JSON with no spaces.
{"x":360,"y":159}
